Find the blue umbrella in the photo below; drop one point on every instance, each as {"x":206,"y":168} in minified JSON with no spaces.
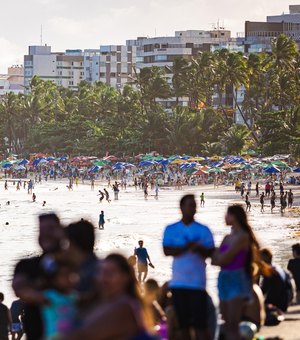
{"x":147,"y":163}
{"x":118,"y":167}
{"x":6,"y":165}
{"x":271,"y":170}
{"x":296,"y":170}
{"x":164,"y":162}
{"x":36,"y":161}
{"x":20,"y":167}
{"x":50,"y":159}
{"x":24,"y":162}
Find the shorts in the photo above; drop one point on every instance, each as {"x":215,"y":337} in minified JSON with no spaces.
{"x":16,"y":327}
{"x":191,"y":308}
{"x":233,"y":284}
{"x":142,"y":267}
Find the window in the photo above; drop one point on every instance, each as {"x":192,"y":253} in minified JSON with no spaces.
{"x":160,"y":58}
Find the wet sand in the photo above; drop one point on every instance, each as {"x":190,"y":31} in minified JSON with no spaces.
{"x":130,"y":219}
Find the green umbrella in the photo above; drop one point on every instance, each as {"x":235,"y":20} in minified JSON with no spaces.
{"x":100,"y":163}
{"x":191,"y":171}
{"x":213,"y":170}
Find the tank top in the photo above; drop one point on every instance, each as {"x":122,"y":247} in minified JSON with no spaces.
{"x":238,"y":262}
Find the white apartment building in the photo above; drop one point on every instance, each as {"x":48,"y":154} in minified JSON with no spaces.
{"x":12,"y":81}
{"x":292,"y":17}
{"x":111,"y":64}
{"x":162,"y":51}
{"x":64,"y":69}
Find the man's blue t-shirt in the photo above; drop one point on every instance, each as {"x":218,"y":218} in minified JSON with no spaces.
{"x":142,"y":255}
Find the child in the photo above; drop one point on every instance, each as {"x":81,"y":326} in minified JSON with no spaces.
{"x":58,"y":302}
{"x":59,"y":313}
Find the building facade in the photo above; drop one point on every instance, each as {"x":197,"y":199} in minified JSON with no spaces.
{"x":13,"y":81}
{"x":64,"y":69}
{"x":111,"y":64}
{"x":259,"y":35}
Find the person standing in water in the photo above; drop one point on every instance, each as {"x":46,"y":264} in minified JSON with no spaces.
{"x":272,"y":201}
{"x":290,"y":199}
{"x":262,"y":202}
{"x":202,"y":200}
{"x":248,"y":204}
{"x":101,"y":220}
{"x":107,"y":195}
{"x":101,"y":194}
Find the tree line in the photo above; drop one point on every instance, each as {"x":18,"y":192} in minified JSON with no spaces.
{"x":98,"y":118}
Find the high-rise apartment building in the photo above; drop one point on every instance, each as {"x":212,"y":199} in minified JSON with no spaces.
{"x":64,"y":69}
{"x":111,"y":64}
{"x":259,"y":35}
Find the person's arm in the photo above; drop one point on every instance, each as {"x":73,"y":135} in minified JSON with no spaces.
{"x":202,"y":251}
{"x":148,"y":257}
{"x":223,"y":259}
{"x":175,"y":251}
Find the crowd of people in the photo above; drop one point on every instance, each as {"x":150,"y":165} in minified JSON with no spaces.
{"x":68,"y":293}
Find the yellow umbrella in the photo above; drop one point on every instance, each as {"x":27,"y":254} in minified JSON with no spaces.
{"x":178,"y":161}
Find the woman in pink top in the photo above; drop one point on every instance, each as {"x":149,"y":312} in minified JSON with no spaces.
{"x":235,"y":257}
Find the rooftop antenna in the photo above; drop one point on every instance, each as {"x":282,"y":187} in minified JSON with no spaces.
{"x":41,"y":35}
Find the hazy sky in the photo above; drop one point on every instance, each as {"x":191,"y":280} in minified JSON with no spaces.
{"x":69,"y":24}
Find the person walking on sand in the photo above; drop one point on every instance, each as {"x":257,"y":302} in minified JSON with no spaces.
{"x":143,"y":261}
{"x":146,"y":191}
{"x":101,"y":220}
{"x":33,"y":197}
{"x":202,"y":200}
{"x":190,"y":244}
{"x":262,"y":202}
{"x":5,"y":319}
{"x":5,"y":185}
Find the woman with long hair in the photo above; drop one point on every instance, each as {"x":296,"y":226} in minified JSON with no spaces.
{"x":122,"y":314}
{"x":238,"y":252}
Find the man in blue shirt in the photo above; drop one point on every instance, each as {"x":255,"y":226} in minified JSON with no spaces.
{"x":190,"y":243}
{"x":142,"y":260}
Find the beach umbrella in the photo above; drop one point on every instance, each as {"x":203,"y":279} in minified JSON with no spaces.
{"x":271,"y":170}
{"x":23,"y":162}
{"x":246,"y":167}
{"x":43,"y":161}
{"x":191,"y":171}
{"x":118,"y":167}
{"x":36,"y":161}
{"x":110,"y":158}
{"x":296,"y":170}
{"x":100,"y":163}
{"x":200,"y":172}
{"x":147,"y":163}
{"x":164,"y":162}
{"x":20,"y":167}
{"x":50,"y":159}
{"x":215,"y":170}
{"x":7,"y":165}
{"x":129,"y":165}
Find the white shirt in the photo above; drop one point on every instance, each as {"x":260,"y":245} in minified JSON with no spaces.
{"x":189,"y":269}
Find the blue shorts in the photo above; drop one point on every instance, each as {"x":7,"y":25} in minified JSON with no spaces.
{"x":233,"y":284}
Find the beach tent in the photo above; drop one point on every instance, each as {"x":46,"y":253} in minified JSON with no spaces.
{"x":271,"y":170}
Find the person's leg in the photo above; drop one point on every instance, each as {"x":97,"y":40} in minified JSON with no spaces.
{"x":181,"y":308}
{"x":233,"y":318}
{"x":145,"y":273}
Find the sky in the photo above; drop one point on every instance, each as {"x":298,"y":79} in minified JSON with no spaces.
{"x":80,"y":24}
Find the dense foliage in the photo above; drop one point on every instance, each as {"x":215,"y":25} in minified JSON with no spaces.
{"x":97,"y":118}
